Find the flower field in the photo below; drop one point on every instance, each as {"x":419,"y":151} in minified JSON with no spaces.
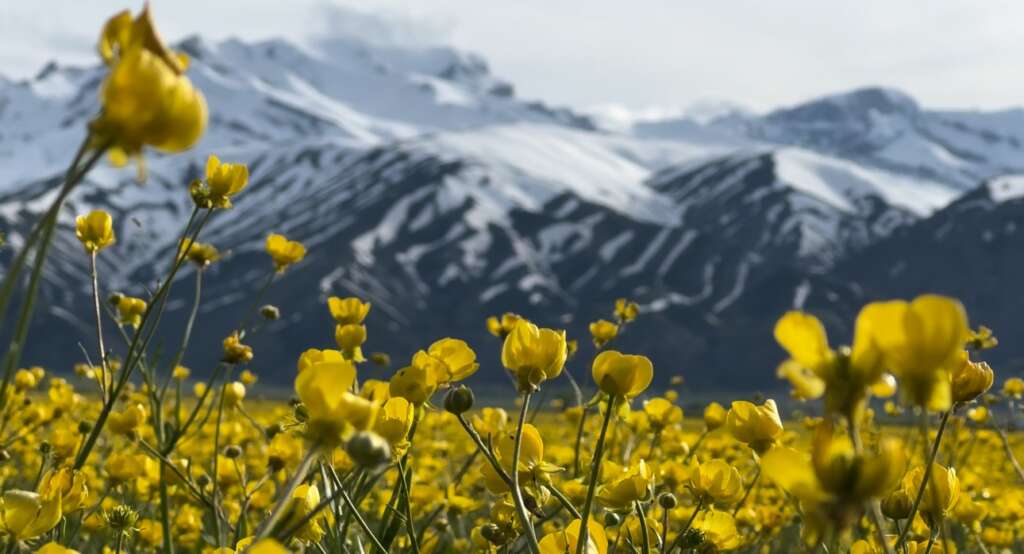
{"x":912,"y":446}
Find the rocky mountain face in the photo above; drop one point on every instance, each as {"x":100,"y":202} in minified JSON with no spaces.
{"x":419,"y":181}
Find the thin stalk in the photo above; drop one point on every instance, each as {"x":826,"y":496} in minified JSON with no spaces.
{"x":927,"y":469}
{"x":99,"y":325}
{"x":595,"y":472}
{"x":563,"y":500}
{"x":750,"y":488}
{"x":13,"y":355}
{"x":187,"y":335}
{"x":1009,"y":452}
{"x":689,"y":523}
{"x":517,"y":493}
{"x":645,"y":542}
{"x":696,"y":445}
{"x":130,"y":361}
{"x":285,"y":496}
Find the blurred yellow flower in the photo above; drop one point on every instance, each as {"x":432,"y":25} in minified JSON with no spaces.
{"x":603,"y":331}
{"x":284,"y":252}
{"x":146,"y":100}
{"x":758,"y":426}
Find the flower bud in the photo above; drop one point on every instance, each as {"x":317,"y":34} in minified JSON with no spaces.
{"x":203,"y":481}
{"x":232,"y":451}
{"x":115,"y":298}
{"x":897,"y":505}
{"x":493,"y":534}
{"x":459,"y":400}
{"x":667,"y":501}
{"x":368,"y":449}
{"x":612,"y":519}
{"x":122,"y":518}
{"x":270,"y":313}
{"x":971,"y":380}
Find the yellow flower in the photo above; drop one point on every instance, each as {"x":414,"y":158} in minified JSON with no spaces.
{"x":758,"y":426}
{"x":234,"y":351}
{"x":626,"y":488}
{"x":181,"y":373}
{"x":716,"y":481}
{"x":69,"y":484}
{"x":223,"y":180}
{"x":501,"y":327}
{"x":418,"y":381}
{"x":200,"y":253}
{"x":456,"y":357}
{"x":622,"y":375}
{"x":146,"y":100}
{"x":26,"y":515}
{"x":941,"y":494}
{"x":324,"y":389}
{"x":346,"y":311}
{"x":814,"y":369}
{"x":603,"y":331}
{"x":566,"y":540}
{"x":718,"y":529}
{"x":662,"y":413}
{"x":394,"y":422}
{"x":123,"y":467}
{"x":248,"y":378}
{"x":920,"y":342}
{"x":55,"y":548}
{"x":1013,"y":387}
{"x":625,"y":310}
{"x":233,"y":394}
{"x":533,"y":355}
{"x":714,"y":416}
{"x":95,"y":231}
{"x":314,"y":356}
{"x":970,"y":379}
{"x":128,"y":420}
{"x":130,"y":310}
{"x":284,"y":252}
{"x":350,"y":338}
{"x":302,"y":502}
{"x":531,"y":459}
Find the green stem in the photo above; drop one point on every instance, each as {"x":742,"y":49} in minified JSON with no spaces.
{"x":135,"y":353}
{"x":645,"y":542}
{"x":689,"y":523}
{"x":696,"y":445}
{"x":99,"y":325}
{"x":595,"y":474}
{"x":517,"y":493}
{"x":49,"y":223}
{"x":285,"y":495}
{"x":927,"y":469}
{"x":750,"y":488}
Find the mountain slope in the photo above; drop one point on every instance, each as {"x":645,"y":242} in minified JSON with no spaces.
{"x":421,"y":183}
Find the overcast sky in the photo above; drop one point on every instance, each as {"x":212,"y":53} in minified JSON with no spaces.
{"x":640,"y":54}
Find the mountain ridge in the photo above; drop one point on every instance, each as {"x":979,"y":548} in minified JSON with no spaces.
{"x":420,"y":182}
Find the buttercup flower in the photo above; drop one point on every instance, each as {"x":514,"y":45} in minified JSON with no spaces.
{"x":223,"y":181}
{"x":284,"y":252}
{"x":347,"y":311}
{"x":350,"y":338}
{"x":146,"y":99}
{"x":622,"y":375}
{"x":130,"y":310}
{"x":533,"y":355}
{"x":716,"y":481}
{"x":566,"y":540}
{"x":626,"y":310}
{"x":920,"y":342}
{"x":970,"y":379}
{"x":234,"y":351}
{"x":26,"y":515}
{"x":603,"y":331}
{"x":758,"y":426}
{"x":95,"y":231}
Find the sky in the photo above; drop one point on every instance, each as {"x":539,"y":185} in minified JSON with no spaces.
{"x":643,"y":56}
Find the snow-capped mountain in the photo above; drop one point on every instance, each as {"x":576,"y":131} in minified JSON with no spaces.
{"x":419,"y":181}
